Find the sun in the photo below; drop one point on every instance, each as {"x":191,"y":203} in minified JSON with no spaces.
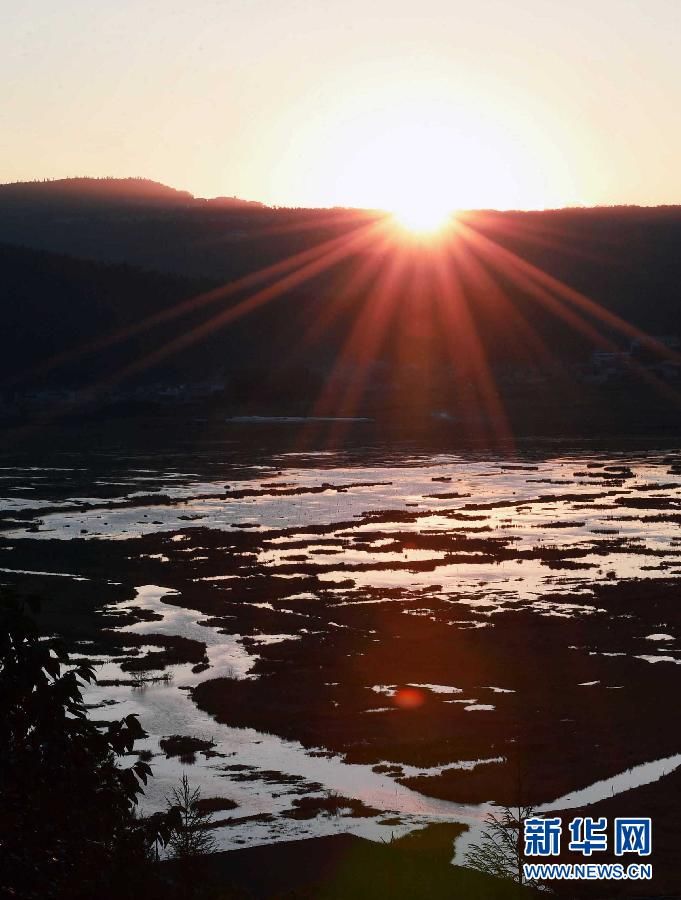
{"x":423,"y":216}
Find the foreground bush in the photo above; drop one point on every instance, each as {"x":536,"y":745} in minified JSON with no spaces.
{"x":67,"y":810}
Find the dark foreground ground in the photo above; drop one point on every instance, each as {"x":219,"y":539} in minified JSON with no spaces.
{"x":339,"y":868}
{"x":660,"y":801}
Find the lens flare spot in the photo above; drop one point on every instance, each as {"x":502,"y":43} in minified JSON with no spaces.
{"x":409,"y":698}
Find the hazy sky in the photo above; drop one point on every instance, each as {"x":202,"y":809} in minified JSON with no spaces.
{"x":314,"y":102}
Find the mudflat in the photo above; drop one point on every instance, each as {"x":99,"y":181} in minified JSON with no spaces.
{"x":369,"y":638}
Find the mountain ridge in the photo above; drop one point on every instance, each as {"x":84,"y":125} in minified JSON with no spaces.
{"x":132,"y":189}
{"x":142,"y":188}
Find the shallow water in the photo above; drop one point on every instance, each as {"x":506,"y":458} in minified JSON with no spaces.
{"x":564,"y":523}
{"x":166,"y":709}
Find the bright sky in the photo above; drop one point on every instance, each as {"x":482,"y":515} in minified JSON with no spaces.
{"x":492,"y":103}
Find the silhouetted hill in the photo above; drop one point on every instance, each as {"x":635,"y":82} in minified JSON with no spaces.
{"x":108,"y":192}
{"x":82,"y":191}
{"x":64,"y":310}
{"x":518,"y":304}
{"x":141,"y":222}
{"x":53,"y":303}
{"x":147,"y":224}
